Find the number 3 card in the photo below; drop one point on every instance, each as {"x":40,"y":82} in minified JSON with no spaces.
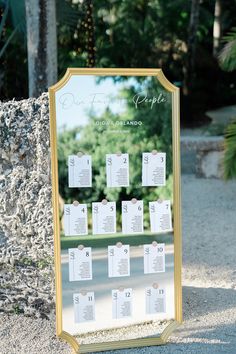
{"x":154,"y":169}
{"x":117,"y":170}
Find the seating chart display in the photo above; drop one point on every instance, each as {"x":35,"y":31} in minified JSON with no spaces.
{"x":116,"y":207}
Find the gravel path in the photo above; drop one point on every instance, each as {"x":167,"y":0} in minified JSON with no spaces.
{"x":209,"y":282}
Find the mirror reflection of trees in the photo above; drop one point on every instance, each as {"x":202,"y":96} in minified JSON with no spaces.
{"x":142,"y":127}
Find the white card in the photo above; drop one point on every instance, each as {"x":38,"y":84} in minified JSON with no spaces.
{"x":104,"y":218}
{"x":75,"y":219}
{"x":155,"y":300}
{"x":84,"y":307}
{"x":154,"y":258}
{"x":80,"y":171}
{"x":117,"y":170}
{"x":118,"y":261}
{"x":154,"y":169}
{"x":122,"y":303}
{"x":132,"y":217}
{"x":160,"y":216}
{"x":80,"y":264}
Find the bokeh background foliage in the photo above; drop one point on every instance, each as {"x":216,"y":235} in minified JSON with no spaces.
{"x":193,"y":42}
{"x":153,"y":33}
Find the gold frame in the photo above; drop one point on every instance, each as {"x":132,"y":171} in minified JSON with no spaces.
{"x":87,"y":348}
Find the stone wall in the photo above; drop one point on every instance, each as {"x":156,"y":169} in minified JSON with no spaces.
{"x":26,"y":236}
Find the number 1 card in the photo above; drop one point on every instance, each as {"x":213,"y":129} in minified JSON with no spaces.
{"x":80,"y":171}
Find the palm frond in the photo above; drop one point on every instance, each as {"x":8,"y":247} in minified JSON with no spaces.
{"x":227,"y":56}
{"x":69,"y":14}
{"x":17,"y":12}
{"x":8,"y":42}
{"x":4,"y":16}
{"x":230,"y":152}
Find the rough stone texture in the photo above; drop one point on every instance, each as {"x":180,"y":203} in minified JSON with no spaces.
{"x":26,"y":236}
{"x":210,"y":164}
{"x":203,"y":155}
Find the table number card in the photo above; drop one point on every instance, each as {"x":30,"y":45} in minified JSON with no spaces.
{"x":122,"y":300}
{"x":104,"y":217}
{"x":154,"y":169}
{"x":132,"y":216}
{"x":154,"y":258}
{"x":155,"y":300}
{"x":117,"y":170}
{"x":75,"y":219}
{"x":80,"y":263}
{"x":80,"y":171}
{"x":118,"y":260}
{"x":160,"y":216}
{"x":84,"y":307}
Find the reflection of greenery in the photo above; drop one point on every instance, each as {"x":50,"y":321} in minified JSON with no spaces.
{"x":100,"y":241}
{"x":104,"y":135}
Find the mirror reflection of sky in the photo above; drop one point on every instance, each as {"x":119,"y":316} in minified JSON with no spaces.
{"x":83,"y":95}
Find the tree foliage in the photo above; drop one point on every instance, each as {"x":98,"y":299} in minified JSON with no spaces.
{"x":230,"y":152}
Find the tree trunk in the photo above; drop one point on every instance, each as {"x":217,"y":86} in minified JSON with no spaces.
{"x":217,"y":28}
{"x":90,"y":38}
{"x":41,"y":45}
{"x":188,"y":115}
{"x":191,"y":55}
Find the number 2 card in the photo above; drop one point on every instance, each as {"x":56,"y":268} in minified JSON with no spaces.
{"x":117,"y":170}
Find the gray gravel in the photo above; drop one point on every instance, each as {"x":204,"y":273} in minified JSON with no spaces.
{"x":209,"y":282}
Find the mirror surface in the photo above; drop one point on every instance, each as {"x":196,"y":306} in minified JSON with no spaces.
{"x":114,"y":145}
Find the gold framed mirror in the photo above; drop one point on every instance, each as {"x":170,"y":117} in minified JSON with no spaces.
{"x":115,"y":160}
